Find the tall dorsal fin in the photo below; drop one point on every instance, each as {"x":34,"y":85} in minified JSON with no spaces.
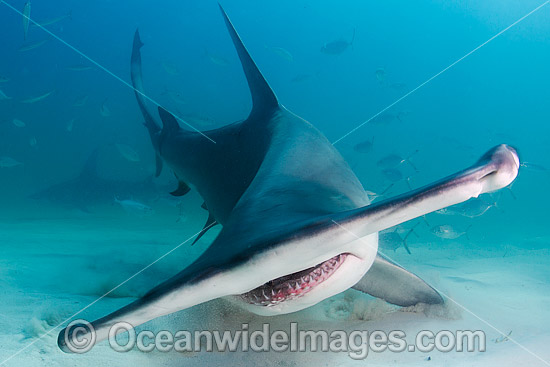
{"x":263,"y":98}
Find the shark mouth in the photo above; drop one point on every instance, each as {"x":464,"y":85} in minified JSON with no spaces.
{"x":293,"y":285}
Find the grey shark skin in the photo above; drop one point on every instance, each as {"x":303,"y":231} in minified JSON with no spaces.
{"x":297,"y":224}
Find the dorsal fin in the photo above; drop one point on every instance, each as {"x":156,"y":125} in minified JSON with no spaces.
{"x":263,"y":98}
{"x":169,"y":122}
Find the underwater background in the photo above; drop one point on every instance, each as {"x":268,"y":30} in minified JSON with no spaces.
{"x":80,"y":210}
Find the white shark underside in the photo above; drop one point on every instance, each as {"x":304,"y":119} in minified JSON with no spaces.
{"x":297,"y":224}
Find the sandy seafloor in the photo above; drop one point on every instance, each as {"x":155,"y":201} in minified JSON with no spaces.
{"x":56,"y":262}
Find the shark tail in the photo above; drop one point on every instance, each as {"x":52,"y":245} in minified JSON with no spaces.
{"x":137,"y":82}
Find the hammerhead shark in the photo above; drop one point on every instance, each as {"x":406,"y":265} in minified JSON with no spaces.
{"x":297,"y":226}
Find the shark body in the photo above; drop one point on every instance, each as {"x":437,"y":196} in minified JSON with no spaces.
{"x":298,"y":226}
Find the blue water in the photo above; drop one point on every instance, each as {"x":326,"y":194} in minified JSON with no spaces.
{"x":498,"y":94}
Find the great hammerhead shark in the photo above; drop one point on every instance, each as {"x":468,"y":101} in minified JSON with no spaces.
{"x":298,"y":226}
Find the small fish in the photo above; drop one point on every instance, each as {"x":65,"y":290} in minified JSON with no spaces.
{"x":281,"y":52}
{"x":32,"y":141}
{"x":18,"y":123}
{"x":4,"y":79}
{"x":135,"y":207}
{"x":337,"y":47}
{"x":390,"y":161}
{"x":104,"y":110}
{"x":128,"y":152}
{"x":79,"y":102}
{"x":380,"y":75}
{"x":8,"y":162}
{"x":392,"y":174}
{"x":394,"y":160}
{"x":79,"y":67}
{"x":472,"y":208}
{"x":448,"y":232}
{"x":3,"y":96}
{"x":26,"y":18}
{"x":170,"y":68}
{"x":216,"y":59}
{"x":39,"y":98}
{"x":364,"y":147}
{"x":54,"y":20}
{"x":533,"y":167}
{"x":70,"y":125}
{"x":32,"y":46}
{"x":389,"y":240}
{"x":392,"y":240}
{"x":447,"y":211}
{"x":373,"y":196}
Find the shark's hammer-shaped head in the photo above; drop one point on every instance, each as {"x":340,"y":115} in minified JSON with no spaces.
{"x":329,"y":256}
{"x":504,"y":160}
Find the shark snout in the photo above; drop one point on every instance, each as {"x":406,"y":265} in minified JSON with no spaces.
{"x":513,"y":151}
{"x":502,"y":165}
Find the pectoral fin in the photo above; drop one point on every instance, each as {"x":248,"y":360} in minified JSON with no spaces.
{"x":396,"y":285}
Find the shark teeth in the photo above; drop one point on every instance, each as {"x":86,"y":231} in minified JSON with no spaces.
{"x":294,"y":285}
